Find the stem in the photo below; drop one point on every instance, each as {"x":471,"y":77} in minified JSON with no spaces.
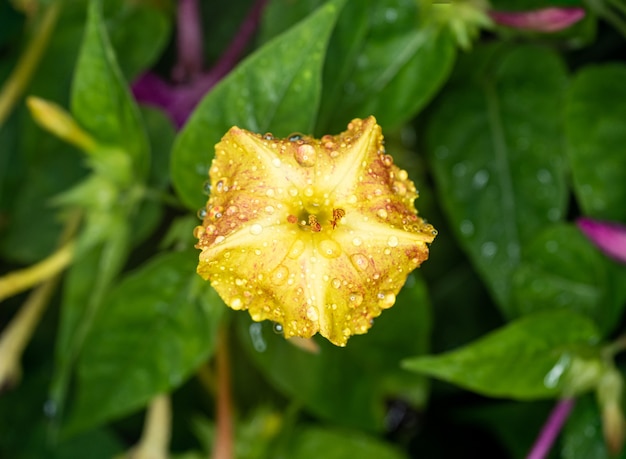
{"x":16,"y":336}
{"x":551,"y":429}
{"x":223,"y":448}
{"x":189,"y":42}
{"x":18,"y":281}
{"x":26,"y":65}
{"x":157,"y":430}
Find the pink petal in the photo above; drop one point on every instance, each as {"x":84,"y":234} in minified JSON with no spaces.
{"x":609,"y":237}
{"x":541,"y":20}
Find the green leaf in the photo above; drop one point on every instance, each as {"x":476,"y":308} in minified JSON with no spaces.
{"x":154,"y":329}
{"x":384,"y":59}
{"x":561,"y":269}
{"x":596,"y":140}
{"x":531,"y":358}
{"x":277,"y":88}
{"x":139,"y":32}
{"x":101,"y":101}
{"x":310,"y":442}
{"x":496,"y":147}
{"x":351,"y":385}
{"x":582,"y":435}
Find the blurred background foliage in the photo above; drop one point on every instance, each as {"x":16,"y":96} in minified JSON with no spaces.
{"x":512,"y":127}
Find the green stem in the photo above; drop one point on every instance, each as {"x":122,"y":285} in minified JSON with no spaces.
{"x":27,"y":64}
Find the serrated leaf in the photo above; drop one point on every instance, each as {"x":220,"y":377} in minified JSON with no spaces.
{"x":561,"y":269}
{"x":155,"y":327}
{"x":349,"y":386}
{"x":383,"y":60}
{"x":529,"y":358}
{"x":495,"y":142}
{"x":277,"y":88}
{"x":101,"y":101}
{"x":596,"y":140}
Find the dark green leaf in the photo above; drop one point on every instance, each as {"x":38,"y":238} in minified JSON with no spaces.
{"x":139,"y":31}
{"x":596,"y":140}
{"x":277,"y":88}
{"x":334,"y":444}
{"x":561,"y":269}
{"x":496,"y":147}
{"x":528,"y":359}
{"x":349,"y":386}
{"x":101,"y":101}
{"x":158,"y":325}
{"x":582,"y":435}
{"x":383,"y":60}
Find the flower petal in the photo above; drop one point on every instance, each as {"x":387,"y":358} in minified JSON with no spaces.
{"x":540,"y":20}
{"x":609,"y":237}
{"x":317,"y":235}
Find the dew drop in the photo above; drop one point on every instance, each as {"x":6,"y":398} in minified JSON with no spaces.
{"x":295,"y":137}
{"x":206,"y":187}
{"x":305,"y":155}
{"x":399,"y":188}
{"x":403,"y":175}
{"x":276,"y":162}
{"x":280,"y":275}
{"x":467,"y":228}
{"x":386,"y":299}
{"x":268,"y":136}
{"x":329,"y":248}
{"x":269,"y":209}
{"x":357,"y":241}
{"x":308,"y":191}
{"x":221,"y":186}
{"x":336,"y":283}
{"x":202,"y":213}
{"x":269,"y":192}
{"x":480,"y":179}
{"x":256,"y":229}
{"x":198,"y":231}
{"x":50,"y":409}
{"x":360,"y":261}
{"x":355,"y":299}
{"x":278,"y":328}
{"x":392,"y":241}
{"x":489,"y":249}
{"x":236,"y":303}
{"x":296,"y":249}
{"x":312,"y":314}
{"x":382,"y":213}
{"x":219,"y":239}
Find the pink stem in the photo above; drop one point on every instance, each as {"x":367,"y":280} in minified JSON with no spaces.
{"x":189,"y":42}
{"x":551,"y":429}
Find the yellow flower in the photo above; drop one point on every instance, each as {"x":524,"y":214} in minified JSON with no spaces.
{"x":317,"y":235}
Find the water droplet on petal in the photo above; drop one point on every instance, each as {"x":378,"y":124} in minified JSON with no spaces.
{"x":278,"y":328}
{"x":382,"y":213}
{"x":268,"y":136}
{"x":296,"y":249}
{"x":280,"y":275}
{"x":360,"y":261}
{"x":256,"y":229}
{"x":206,"y":187}
{"x":336,"y":283}
{"x":392,"y":241}
{"x":329,"y":248}
{"x":355,"y":299}
{"x":305,"y":155}
{"x":202,"y":213}
{"x":276,"y":162}
{"x":221,"y":186}
{"x":357,"y":241}
{"x":386,"y":299}
{"x":312,"y":314}
{"x":198,"y":232}
{"x":236,"y":303}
